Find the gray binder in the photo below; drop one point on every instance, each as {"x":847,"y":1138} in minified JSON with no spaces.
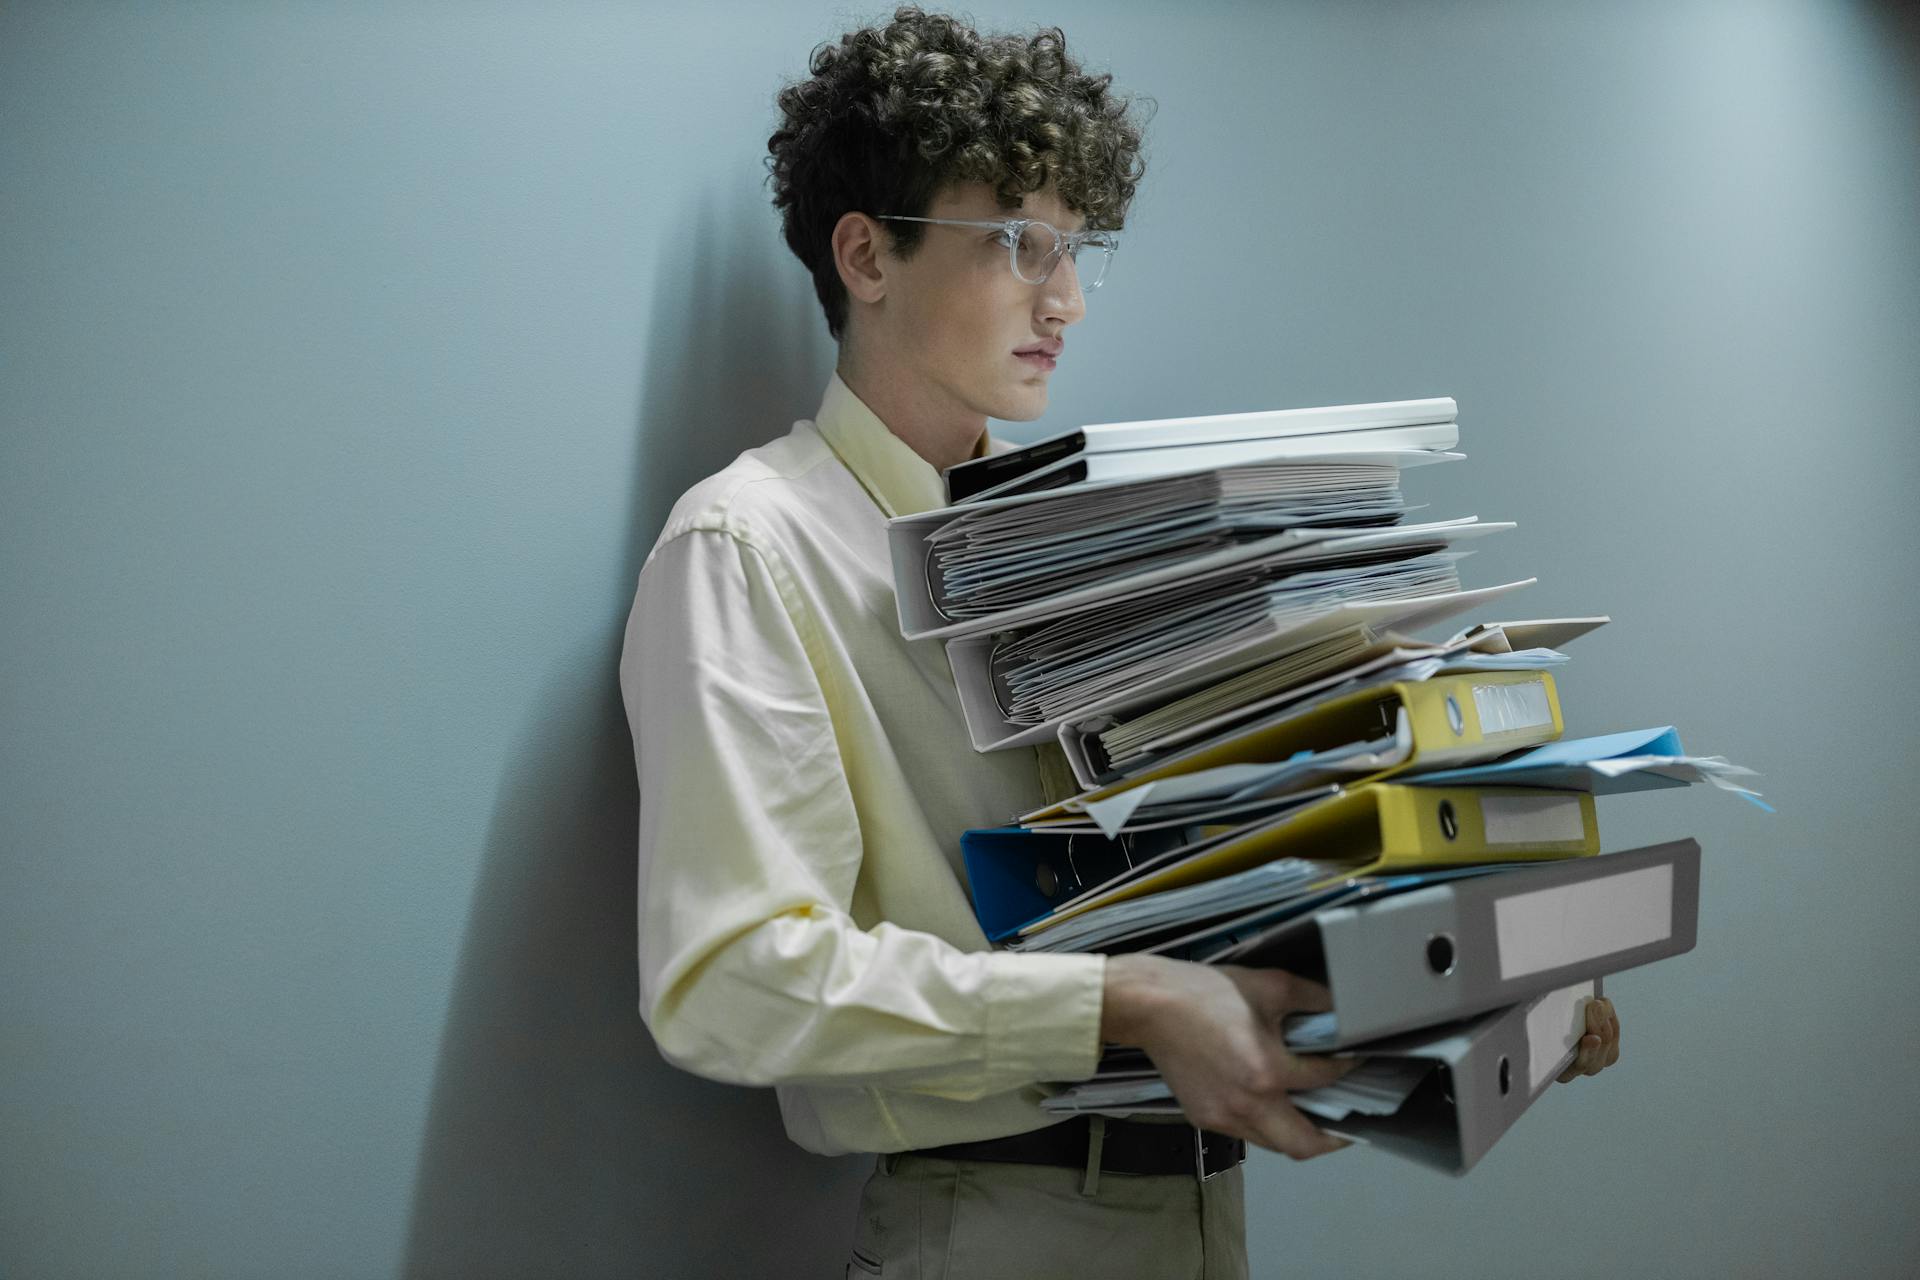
{"x":1453,"y":950}
{"x":1488,"y":1070}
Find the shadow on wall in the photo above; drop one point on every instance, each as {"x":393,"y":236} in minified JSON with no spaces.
{"x":558,"y":1142}
{"x":1897,"y":24}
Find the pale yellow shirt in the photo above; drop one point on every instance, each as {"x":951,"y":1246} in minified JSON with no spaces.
{"x":805,"y":775}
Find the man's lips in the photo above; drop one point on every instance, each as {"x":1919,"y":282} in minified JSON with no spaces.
{"x":1043,"y":355}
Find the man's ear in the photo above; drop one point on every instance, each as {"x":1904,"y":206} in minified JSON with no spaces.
{"x":858,"y":254}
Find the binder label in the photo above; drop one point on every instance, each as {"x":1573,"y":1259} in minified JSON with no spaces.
{"x":1510,"y":708}
{"x":1532,"y":819}
{"x":1575,"y":923}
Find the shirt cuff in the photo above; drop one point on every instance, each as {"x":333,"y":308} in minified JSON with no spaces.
{"x":1043,"y":1015}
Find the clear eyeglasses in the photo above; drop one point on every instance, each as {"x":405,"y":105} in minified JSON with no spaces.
{"x":1035,"y":248}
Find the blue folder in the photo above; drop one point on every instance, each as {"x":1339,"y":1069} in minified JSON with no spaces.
{"x":1017,"y":875}
{"x":1563,"y":765}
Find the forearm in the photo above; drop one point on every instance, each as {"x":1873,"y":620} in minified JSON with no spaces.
{"x":808,"y":998}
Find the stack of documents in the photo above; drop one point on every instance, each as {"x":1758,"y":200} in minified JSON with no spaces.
{"x":1055,"y":604}
{"x":1273,"y":769}
{"x":997,"y":558}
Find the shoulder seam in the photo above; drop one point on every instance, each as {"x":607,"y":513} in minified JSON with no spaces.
{"x":720,"y":517}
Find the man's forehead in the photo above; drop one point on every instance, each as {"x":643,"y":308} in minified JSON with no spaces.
{"x":977,"y":200}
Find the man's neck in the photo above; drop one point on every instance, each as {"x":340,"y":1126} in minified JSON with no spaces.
{"x":932,"y":425}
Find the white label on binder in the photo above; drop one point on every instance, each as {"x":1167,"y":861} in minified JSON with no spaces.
{"x":1509,"y":708}
{"x":1574,"y":923}
{"x":1554,"y":1025}
{"x":1531,"y":819}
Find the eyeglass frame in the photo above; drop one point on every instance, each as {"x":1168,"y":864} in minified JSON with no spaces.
{"x":1064,"y":243}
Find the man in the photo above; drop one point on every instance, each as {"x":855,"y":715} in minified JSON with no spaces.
{"x":805,"y":773}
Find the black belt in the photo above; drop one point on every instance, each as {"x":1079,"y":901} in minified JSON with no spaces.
{"x":1130,"y":1146}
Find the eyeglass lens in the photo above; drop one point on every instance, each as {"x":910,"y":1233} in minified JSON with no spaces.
{"x":1038,"y":247}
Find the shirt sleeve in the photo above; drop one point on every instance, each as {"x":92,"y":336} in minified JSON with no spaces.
{"x":752,"y":970}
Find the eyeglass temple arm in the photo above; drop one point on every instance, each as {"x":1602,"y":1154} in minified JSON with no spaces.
{"x":1081,"y":236}
{"x":953,"y":222}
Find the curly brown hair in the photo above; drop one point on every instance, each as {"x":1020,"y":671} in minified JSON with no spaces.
{"x":892,"y":114}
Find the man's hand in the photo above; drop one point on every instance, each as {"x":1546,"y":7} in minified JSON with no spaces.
{"x":1600,"y":1047}
{"x":1214,"y":1033}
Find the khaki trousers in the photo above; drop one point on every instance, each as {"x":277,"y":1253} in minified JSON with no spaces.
{"x":923,"y":1218}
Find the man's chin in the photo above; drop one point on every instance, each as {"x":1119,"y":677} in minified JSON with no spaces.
{"x":1022,"y":405}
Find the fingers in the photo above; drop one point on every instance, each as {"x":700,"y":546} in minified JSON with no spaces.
{"x":1586,"y":1060}
{"x":1608,"y":1031}
{"x":1274,"y":1124}
{"x":1600,"y":1047}
{"x":1276,"y":993}
{"x":1316,"y":1070}
{"x":1284,"y":1129}
{"x":1250,"y":1099}
{"x":1304,"y":995}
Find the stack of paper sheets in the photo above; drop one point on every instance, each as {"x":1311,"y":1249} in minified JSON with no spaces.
{"x":1046,"y":671}
{"x":1127,"y":925}
{"x":999,"y":558}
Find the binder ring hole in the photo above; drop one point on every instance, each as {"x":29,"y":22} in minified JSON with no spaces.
{"x":1449,"y":820}
{"x":1440,"y":954}
{"x":1506,"y":1077}
{"x":1455,"y":721}
{"x":1047,"y":882}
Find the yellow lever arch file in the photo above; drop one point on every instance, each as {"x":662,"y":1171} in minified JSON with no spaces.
{"x":1375,"y":828}
{"x":1450,"y":720}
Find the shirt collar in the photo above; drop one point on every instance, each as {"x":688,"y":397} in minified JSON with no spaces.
{"x":901,"y":481}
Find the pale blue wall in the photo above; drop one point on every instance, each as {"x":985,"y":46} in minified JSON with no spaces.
{"x":351,"y":355}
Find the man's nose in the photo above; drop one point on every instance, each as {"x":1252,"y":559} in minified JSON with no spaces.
{"x":1061,"y":297}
